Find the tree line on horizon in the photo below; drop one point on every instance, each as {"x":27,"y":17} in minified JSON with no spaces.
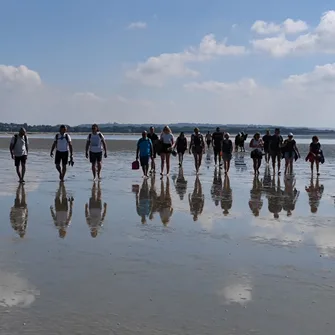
{"x":137,"y":128}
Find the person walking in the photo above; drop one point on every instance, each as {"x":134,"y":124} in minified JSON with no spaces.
{"x":19,"y":152}
{"x":197,"y":147}
{"x":227,"y":150}
{"x":315,"y":155}
{"x":94,"y":145}
{"x":217,"y":139}
{"x":154,"y":140}
{"x":291,"y":152}
{"x":208,"y":139}
{"x":144,"y":152}
{"x":275,"y":149}
{"x":266,"y":140}
{"x":257,"y":153}
{"x":63,"y":146}
{"x":181,"y":145}
{"x":167,"y":140}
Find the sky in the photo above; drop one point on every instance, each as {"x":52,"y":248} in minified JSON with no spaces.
{"x":155,"y":61}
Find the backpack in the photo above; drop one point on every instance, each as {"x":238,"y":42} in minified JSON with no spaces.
{"x":90,"y":135}
{"x":66,"y":137}
{"x":24,"y":138}
{"x":197,"y":140}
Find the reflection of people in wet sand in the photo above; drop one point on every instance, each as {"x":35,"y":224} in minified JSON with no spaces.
{"x":256,"y":202}
{"x":180,"y":183}
{"x":216,"y":190}
{"x":164,"y":202}
{"x":143,"y":202}
{"x":227,"y":196}
{"x":275,"y":198}
{"x":196,"y":200}
{"x":62,"y":212}
{"x":94,"y":213}
{"x":153,"y":196}
{"x":19,"y":212}
{"x":291,"y":195}
{"x":240,"y":164}
{"x":315,"y":192}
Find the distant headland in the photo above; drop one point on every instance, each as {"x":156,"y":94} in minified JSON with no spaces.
{"x":119,"y":128}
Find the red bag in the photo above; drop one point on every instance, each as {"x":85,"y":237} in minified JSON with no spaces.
{"x":135,"y":165}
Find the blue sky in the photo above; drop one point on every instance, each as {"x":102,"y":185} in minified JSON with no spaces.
{"x":89,"y":62}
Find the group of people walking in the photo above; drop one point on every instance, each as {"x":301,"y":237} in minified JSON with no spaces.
{"x":270,"y":146}
{"x":150,"y":145}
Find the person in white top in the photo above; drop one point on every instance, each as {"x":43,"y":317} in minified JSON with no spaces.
{"x":63,"y":146}
{"x":94,"y":145}
{"x":257,"y":153}
{"x":19,"y":152}
{"x":167,"y":140}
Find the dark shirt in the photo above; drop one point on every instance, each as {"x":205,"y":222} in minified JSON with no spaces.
{"x":266,"y":140}
{"x":217,"y":138}
{"x":227,"y":146}
{"x":275,"y":143}
{"x":315,"y":147}
{"x":153,"y":137}
{"x":290,"y":145}
{"x":181,"y":144}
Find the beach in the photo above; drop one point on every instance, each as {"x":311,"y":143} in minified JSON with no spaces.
{"x":182,"y":255}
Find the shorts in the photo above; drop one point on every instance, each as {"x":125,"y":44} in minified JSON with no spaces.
{"x":20,"y":160}
{"x":181,"y":151}
{"x":275,"y":154}
{"x":144,"y":160}
{"x":266,"y":150}
{"x":95,"y":157}
{"x":166,"y":148}
{"x":289,"y":155}
{"x":226,"y":156}
{"x":217,"y":149}
{"x":61,"y":157}
{"x":197,"y":150}
{"x":256,"y":154}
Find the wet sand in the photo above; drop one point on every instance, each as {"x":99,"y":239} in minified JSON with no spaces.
{"x":175,"y":256}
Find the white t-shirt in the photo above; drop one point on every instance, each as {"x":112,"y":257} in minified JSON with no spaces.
{"x":95,"y":142}
{"x":62,"y":142}
{"x":20,"y":148}
{"x":167,"y":138}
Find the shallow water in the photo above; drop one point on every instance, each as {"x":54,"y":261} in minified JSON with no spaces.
{"x":182,"y":255}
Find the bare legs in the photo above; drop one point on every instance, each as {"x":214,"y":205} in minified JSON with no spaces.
{"x":288,"y":165}
{"x":22,"y":172}
{"x":181,"y":158}
{"x":226,"y":165}
{"x":165,"y":157}
{"x":62,"y":171}
{"x":317,"y":163}
{"x":274,"y":157}
{"x":257,"y":164}
{"x":197,"y":161}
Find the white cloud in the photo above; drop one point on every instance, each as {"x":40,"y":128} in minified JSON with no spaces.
{"x":289,"y":26}
{"x":322,"y":77}
{"x":156,"y":70}
{"x":319,"y":40}
{"x":245,"y":85}
{"x":137,"y":25}
{"x":11,"y":76}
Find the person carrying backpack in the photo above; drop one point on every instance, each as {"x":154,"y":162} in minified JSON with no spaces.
{"x":63,"y":146}
{"x":197,"y":147}
{"x":19,"y":152}
{"x":94,"y":144}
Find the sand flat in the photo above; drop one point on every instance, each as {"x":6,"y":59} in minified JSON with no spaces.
{"x":242,"y":255}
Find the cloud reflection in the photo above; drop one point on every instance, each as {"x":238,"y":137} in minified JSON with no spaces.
{"x":15,"y":291}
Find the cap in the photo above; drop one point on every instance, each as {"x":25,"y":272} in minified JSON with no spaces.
{"x":290,"y":135}
{"x":227,"y":134}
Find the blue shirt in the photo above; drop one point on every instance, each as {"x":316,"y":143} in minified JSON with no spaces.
{"x":145,"y":147}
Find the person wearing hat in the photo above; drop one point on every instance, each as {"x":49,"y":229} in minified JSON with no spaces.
{"x":291,"y":152}
{"x":19,"y":152}
{"x":227,"y":149}
{"x":197,"y":147}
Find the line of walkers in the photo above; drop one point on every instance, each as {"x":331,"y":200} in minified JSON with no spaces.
{"x":150,"y":145}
